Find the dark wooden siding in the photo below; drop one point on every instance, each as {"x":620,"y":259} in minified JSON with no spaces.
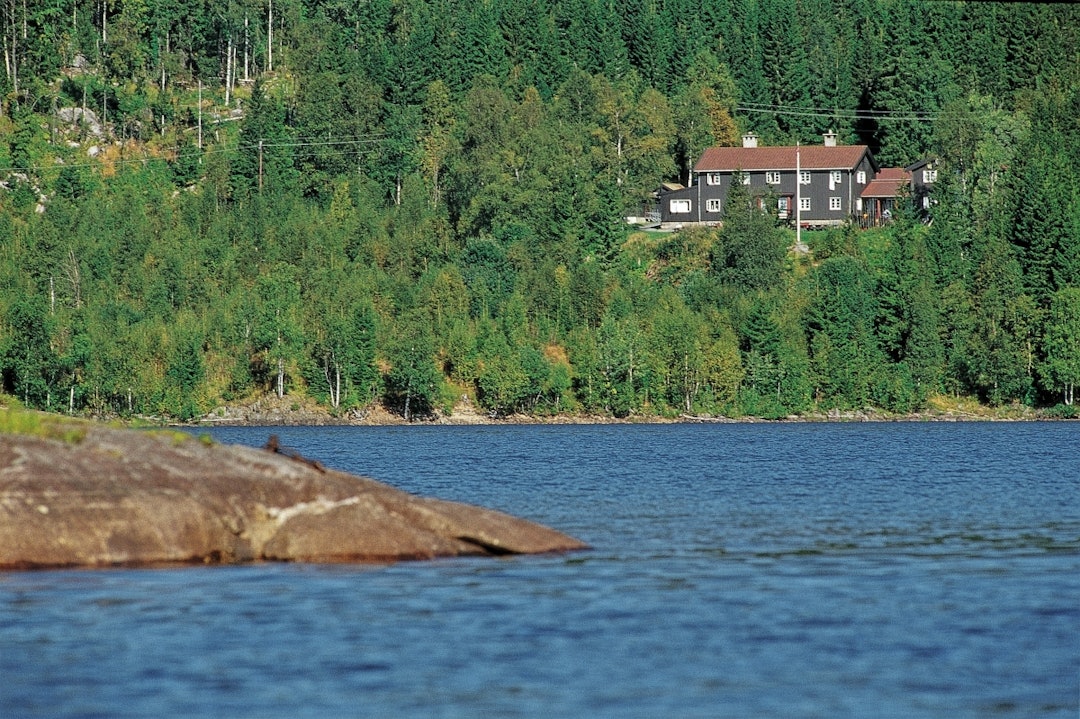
{"x":701,"y":192}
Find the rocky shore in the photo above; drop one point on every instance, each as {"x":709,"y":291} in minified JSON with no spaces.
{"x":272,"y":411}
{"x":90,"y":495}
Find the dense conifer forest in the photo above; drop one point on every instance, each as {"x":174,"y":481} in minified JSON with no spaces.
{"x":407,"y":201}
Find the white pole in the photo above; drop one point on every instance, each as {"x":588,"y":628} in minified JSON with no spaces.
{"x":798,"y":199}
{"x":270,"y":37}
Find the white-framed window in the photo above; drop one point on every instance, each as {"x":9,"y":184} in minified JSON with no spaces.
{"x":804,"y":204}
{"x":834,"y":204}
{"x":678,"y":207}
{"x":783,"y":206}
{"x":772,"y":177}
{"x":926,"y":203}
{"x":746,"y":178}
{"x":929,"y":177}
{"x":804,"y":177}
{"x":860,"y":177}
{"x":858,"y":204}
{"x":712,"y":205}
{"x":713,"y":178}
{"x":836,"y":177}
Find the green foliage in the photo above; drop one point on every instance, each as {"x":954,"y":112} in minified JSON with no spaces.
{"x":908,"y":322}
{"x":185,"y":373}
{"x":412,"y":382}
{"x":264,"y":161}
{"x":845,"y":355}
{"x":277,"y":334}
{"x":751,"y":248}
{"x":16,"y":420}
{"x":1061,"y":368}
{"x":999,"y":352}
{"x":406,"y":201}
{"x":30,"y":367}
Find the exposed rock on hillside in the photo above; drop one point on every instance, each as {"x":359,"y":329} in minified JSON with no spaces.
{"x":116,"y":497}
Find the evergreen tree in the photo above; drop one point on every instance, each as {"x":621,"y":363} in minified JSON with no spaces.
{"x":908,"y":324}
{"x":999,"y":354}
{"x":264,"y":161}
{"x":29,"y":367}
{"x":751,"y":248}
{"x":845,"y":356}
{"x":186,"y":371}
{"x":477,"y":48}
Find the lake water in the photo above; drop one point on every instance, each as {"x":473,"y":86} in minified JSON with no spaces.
{"x":748,"y":570}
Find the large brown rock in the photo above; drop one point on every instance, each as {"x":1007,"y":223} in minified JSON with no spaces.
{"x":118,"y":497}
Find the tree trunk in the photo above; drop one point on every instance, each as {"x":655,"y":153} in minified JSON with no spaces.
{"x":333,"y":383}
{"x":14,"y":49}
{"x":270,"y":37}
{"x":228,"y":70}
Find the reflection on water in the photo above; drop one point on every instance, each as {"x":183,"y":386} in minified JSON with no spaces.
{"x":746,"y":570}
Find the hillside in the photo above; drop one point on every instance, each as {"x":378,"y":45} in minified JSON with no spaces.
{"x":406,"y":202}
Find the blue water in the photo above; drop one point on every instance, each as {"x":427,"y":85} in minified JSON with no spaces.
{"x":758,"y":570}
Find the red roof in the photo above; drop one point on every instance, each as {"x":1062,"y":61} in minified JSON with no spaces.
{"x":811,"y":157}
{"x":887,"y":182}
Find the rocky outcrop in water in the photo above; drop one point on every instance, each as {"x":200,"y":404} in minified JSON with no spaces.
{"x":122,"y":497}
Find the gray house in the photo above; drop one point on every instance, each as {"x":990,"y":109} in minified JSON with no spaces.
{"x":880,"y":196}
{"x":890,"y":185}
{"x":820,"y":185}
{"x":923,"y":176}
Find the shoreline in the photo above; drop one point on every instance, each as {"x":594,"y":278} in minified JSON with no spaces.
{"x":272,"y":411}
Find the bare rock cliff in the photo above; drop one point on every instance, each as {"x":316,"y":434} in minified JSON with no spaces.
{"x":122,"y":497}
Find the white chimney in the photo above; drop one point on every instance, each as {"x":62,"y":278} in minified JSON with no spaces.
{"x":830,"y":139}
{"x":749,"y":140}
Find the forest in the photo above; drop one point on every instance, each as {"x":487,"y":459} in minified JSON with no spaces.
{"x":406,"y":202}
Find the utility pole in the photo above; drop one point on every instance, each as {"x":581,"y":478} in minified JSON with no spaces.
{"x":798,"y":200}
{"x":260,"y":165}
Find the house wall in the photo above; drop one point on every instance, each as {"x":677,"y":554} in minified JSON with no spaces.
{"x":920,"y":187}
{"x":703,"y":194}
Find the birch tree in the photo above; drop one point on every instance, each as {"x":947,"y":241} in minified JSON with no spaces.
{"x":1061,"y":369}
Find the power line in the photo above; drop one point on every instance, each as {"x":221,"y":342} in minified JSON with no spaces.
{"x":801,"y":108}
{"x":794,"y":111}
{"x":371,"y":140}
